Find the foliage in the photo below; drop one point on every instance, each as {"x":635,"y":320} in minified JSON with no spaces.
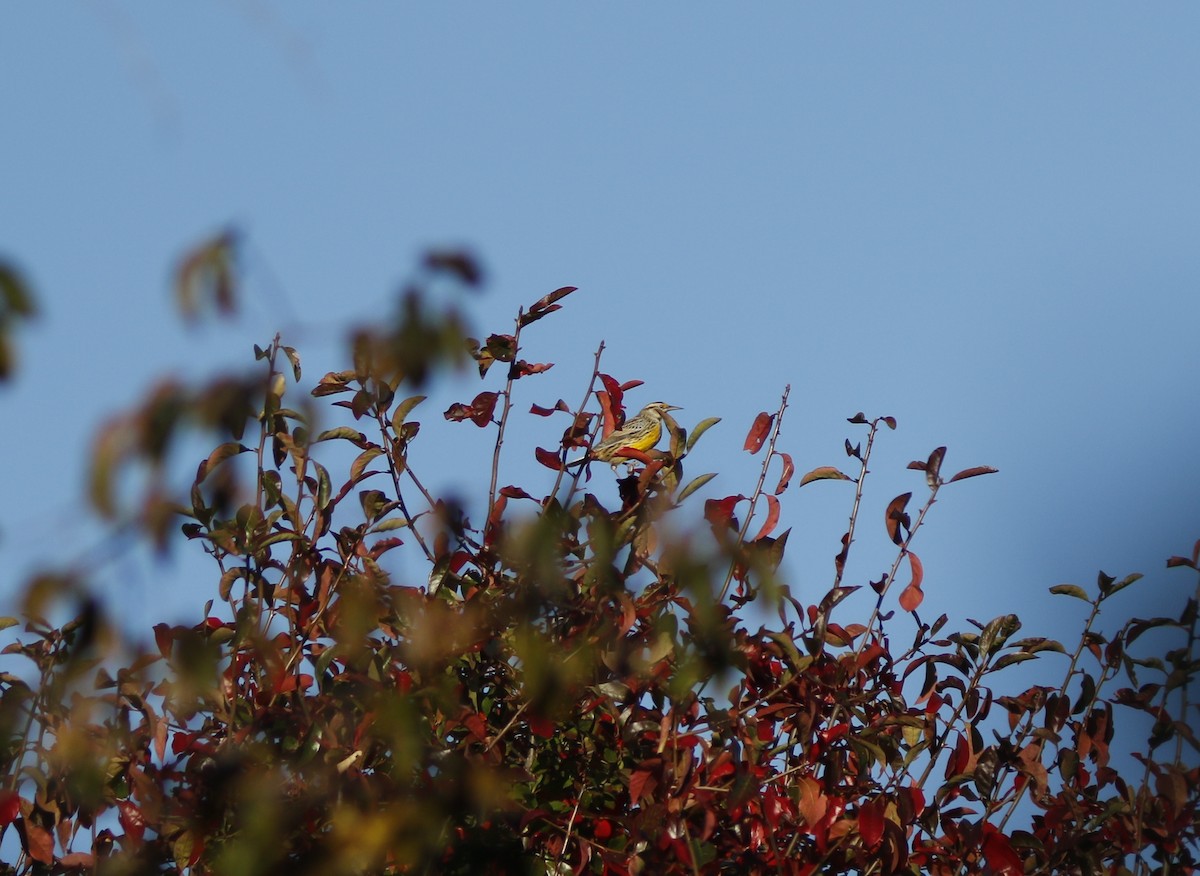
{"x":390,"y":681}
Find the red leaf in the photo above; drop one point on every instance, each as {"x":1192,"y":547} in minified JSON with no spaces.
{"x":548,"y":458}
{"x":616,"y":395}
{"x":788,"y":470}
{"x":870,"y":822}
{"x":895,"y":517}
{"x":10,"y":807}
{"x":757,"y":436}
{"x":540,"y":411}
{"x":1001,"y":856}
{"x":542,"y":727}
{"x":641,"y":783}
{"x":719,"y":512}
{"x":514,"y":493}
{"x":772,"y":519}
{"x":631,"y":384}
{"x":479,"y":411}
{"x":973,"y":472}
{"x":132,"y":821}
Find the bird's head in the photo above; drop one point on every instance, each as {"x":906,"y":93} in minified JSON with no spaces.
{"x":657,"y":409}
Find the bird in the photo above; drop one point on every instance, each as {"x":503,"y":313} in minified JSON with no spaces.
{"x":640,"y":433}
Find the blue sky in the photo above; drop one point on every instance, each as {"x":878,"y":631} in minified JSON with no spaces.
{"x":980,"y":220}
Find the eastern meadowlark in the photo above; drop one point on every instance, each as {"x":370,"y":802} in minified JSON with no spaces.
{"x":640,"y":434}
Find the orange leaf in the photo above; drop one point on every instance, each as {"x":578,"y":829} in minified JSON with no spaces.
{"x":788,"y":470}
{"x":912,"y":595}
{"x":758,"y":432}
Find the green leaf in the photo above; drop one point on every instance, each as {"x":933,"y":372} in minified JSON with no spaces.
{"x":701,"y":427}
{"x":390,"y":525}
{"x":696,"y":484}
{"x":345,"y":432}
{"x":6,"y":622}
{"x":1070,"y":590}
{"x":361,"y":462}
{"x":404,"y":409}
{"x":1010,"y":659}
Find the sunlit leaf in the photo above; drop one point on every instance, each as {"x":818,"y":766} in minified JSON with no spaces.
{"x":699,"y":429}
{"x":785,"y":476}
{"x":402,"y":410}
{"x":772,"y":518}
{"x":759,"y":430}
{"x":824,"y":473}
{"x":694,"y":485}
{"x":1070,"y":590}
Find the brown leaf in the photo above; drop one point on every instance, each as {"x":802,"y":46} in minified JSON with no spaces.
{"x":757,"y":435}
{"x":895,"y":517}
{"x":933,"y":466}
{"x":540,"y":411}
{"x":521,"y":368}
{"x":824,"y":473}
{"x":459,"y":263}
{"x":785,"y":477}
{"x":546,"y":300}
{"x":973,"y":472}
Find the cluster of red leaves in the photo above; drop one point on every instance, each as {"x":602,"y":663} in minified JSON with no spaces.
{"x":559,"y":691}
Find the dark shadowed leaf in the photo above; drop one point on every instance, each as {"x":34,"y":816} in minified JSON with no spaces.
{"x":933,"y":466}
{"x":858,"y":419}
{"x":458,"y":263}
{"x":895,"y":517}
{"x":757,"y":436}
{"x":973,"y":473}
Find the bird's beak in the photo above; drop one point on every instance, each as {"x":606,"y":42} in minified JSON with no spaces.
{"x":674,"y":408}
